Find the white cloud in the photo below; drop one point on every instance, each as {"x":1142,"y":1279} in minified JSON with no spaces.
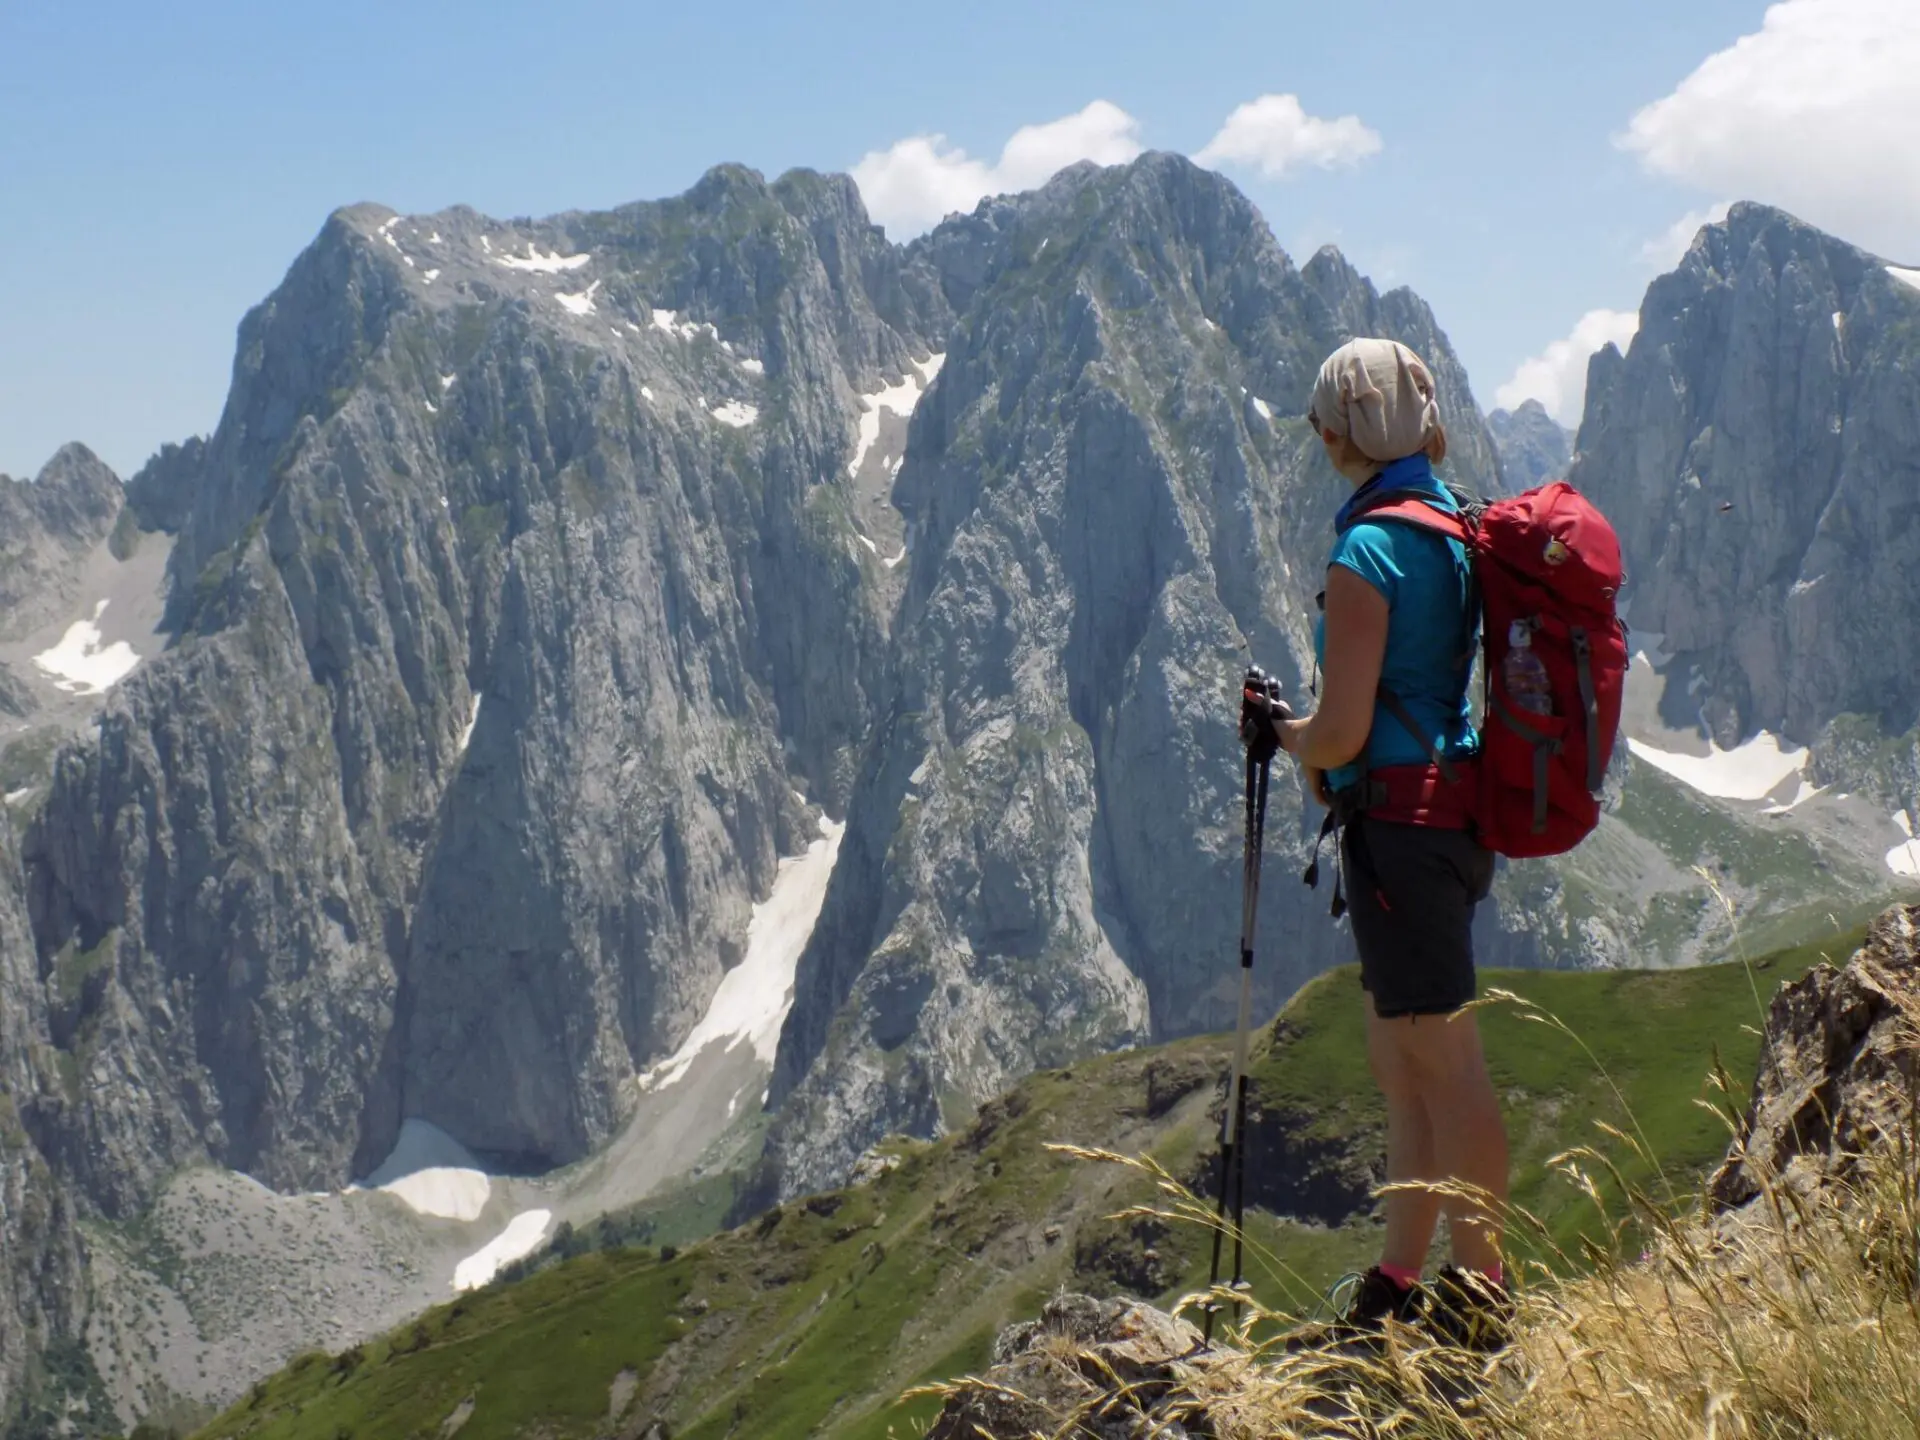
{"x":1276,"y":135}
{"x":1557,"y":376}
{"x":1814,"y":112}
{"x":919,"y":181}
{"x":1670,"y":246}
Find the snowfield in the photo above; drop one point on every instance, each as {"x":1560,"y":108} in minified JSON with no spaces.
{"x":1751,"y":770}
{"x":81,"y":665}
{"x":466,"y":735}
{"x":433,"y":1173}
{"x":1905,"y":277}
{"x":736,"y":413}
{"x":521,"y":1237}
{"x":900,"y":399}
{"x":753,"y":999}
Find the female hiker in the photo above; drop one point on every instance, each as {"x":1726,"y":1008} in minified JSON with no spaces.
{"x":1395,"y":644}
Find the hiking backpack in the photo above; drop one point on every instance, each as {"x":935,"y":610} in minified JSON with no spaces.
{"x":1546,"y":566}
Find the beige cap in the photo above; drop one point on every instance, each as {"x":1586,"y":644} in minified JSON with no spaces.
{"x":1380,"y":395}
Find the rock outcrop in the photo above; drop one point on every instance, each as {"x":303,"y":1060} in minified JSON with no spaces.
{"x":1096,"y":1368}
{"x":1839,"y":1069}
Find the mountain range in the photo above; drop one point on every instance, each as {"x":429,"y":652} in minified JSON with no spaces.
{"x":697,"y":689}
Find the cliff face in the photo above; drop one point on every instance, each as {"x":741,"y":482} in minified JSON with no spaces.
{"x":1756,"y":446}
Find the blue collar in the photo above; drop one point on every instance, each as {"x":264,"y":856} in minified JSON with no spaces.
{"x":1413,"y":475}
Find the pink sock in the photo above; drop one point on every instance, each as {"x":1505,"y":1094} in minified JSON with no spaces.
{"x":1401,"y":1275}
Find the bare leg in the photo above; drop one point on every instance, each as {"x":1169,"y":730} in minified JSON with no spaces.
{"x":1448,"y":1071}
{"x":1411,"y":1214}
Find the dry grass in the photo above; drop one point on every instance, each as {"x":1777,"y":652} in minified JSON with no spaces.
{"x":1798,"y":1316}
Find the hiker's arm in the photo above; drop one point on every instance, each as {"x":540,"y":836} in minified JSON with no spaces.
{"x":1356,"y":647}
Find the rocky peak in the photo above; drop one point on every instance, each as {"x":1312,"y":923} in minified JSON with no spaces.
{"x":1103,"y":487}
{"x":162,"y":491}
{"x":1533,"y":446}
{"x":47,"y":525}
{"x":1754,"y":446}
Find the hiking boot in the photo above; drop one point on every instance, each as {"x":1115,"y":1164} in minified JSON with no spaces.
{"x":1371,"y":1302}
{"x":1377,"y":1299}
{"x":1469,"y":1311}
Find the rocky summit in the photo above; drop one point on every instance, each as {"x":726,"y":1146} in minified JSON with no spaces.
{"x":1755,"y":446}
{"x":439,"y":768}
{"x":1533,"y":447}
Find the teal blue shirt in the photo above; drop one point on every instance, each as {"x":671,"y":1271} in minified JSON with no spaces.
{"x":1425,"y":580}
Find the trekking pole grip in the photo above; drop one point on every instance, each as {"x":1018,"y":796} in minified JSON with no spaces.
{"x":1260,"y":706}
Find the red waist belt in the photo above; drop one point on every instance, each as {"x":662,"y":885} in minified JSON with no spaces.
{"x":1414,"y":795}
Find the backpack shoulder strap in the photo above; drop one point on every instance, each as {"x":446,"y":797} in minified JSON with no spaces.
{"x":1416,"y":511}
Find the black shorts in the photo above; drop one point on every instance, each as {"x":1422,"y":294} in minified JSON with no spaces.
{"x":1411,"y":890}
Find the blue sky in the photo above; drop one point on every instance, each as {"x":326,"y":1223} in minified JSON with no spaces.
{"x":160,"y":166}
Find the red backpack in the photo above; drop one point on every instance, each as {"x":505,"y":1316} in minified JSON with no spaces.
{"x":1547,"y":568}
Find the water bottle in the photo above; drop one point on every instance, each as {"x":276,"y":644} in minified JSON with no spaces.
{"x":1529,"y":688}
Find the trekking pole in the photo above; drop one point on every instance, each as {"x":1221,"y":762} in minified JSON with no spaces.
{"x":1260,"y":698}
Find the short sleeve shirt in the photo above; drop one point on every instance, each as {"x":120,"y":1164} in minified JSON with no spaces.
{"x":1426,"y":582}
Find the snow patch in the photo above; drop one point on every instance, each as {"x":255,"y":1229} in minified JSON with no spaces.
{"x":735,"y":413}
{"x":473,"y":719}
{"x":647,"y":392}
{"x":753,"y":999}
{"x":14,"y":797}
{"x":582,"y":303}
{"x":1904,"y":859}
{"x":81,"y":665}
{"x":1266,"y":410}
{"x":541,"y":264}
{"x":432,"y":1173}
{"x":752,"y":366}
{"x":900,"y":399}
{"x":866,"y":542}
{"x":1839,"y":321}
{"x":432,"y":275}
{"x":521,"y":1237}
{"x":1801,"y":587}
{"x":446,"y":383}
{"x":669,"y":322}
{"x":434,"y":238}
{"x":1905,"y":277}
{"x":486,"y":244}
{"x":432,"y":409}
{"x":1751,"y":770}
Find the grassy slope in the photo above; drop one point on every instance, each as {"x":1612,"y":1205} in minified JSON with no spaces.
{"x":812,"y":1319}
{"x":1641,"y":875}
